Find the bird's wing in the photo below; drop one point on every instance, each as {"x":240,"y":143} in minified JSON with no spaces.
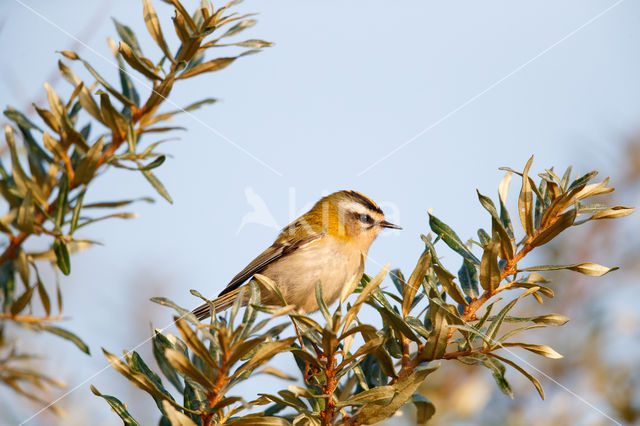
{"x":284,"y":245}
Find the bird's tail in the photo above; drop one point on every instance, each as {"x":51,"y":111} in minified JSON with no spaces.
{"x":221,"y":303}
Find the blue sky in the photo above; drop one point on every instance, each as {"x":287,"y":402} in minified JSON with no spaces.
{"x":460,"y":88}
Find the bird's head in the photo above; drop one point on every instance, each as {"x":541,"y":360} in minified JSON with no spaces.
{"x":351,"y":216}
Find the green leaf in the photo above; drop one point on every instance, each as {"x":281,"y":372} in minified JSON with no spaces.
{"x":22,"y":301}
{"x":322,"y":305}
{"x":20,"y":119}
{"x":119,"y":96}
{"x":397,"y":323}
{"x":152,"y":165}
{"x":446,"y":279}
{"x":451,"y":239}
{"x":62,"y":255}
{"x":240,"y":26}
{"x":424,"y":408}
{"x":157,"y":185}
{"x":160,"y":345}
{"x":252,"y":44}
{"x":62,"y":201}
{"x":493,"y":329}
{"x":26,"y":214}
{"x":483,"y":236}
{"x":117,"y":406}
{"x":404,"y":388}
{"x":44,"y":298}
{"x":468,"y":276}
{"x":76,"y":211}
{"x":258,"y":420}
{"x":184,"y":313}
{"x":583,"y":180}
{"x":65,"y":334}
{"x":22,"y":263}
{"x":533,"y":380}
{"x":112,"y":204}
{"x":128,"y":36}
{"x":364,"y":296}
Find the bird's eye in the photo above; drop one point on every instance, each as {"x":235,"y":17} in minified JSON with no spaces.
{"x":365,"y":218}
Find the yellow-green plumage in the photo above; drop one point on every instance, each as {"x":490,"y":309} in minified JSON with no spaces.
{"x":326,"y":245}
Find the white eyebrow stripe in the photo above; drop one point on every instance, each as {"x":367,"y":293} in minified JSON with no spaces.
{"x":355,"y":207}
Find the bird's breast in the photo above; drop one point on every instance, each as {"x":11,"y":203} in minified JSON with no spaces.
{"x":329,"y":261}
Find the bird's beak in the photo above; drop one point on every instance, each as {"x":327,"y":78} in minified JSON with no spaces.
{"x":386,"y":224}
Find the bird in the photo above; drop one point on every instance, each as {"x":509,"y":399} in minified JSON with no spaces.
{"x":328,"y":244}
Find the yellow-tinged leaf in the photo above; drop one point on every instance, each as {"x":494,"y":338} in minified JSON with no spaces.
{"x":271,"y":286}
{"x":404,"y":388}
{"x":525,"y":201}
{"x":436,"y":344}
{"x":136,"y":62}
{"x":138,"y":379}
{"x":256,"y":420}
{"x":89,"y":163}
{"x":56,"y":105}
{"x":503,"y":187}
{"x":594,"y":189}
{"x":542,"y":350}
{"x":184,"y":14}
{"x":209,"y":66}
{"x":489,"y":269}
{"x":613,"y":212}
{"x":366,"y":292}
{"x":446,"y":279}
{"x":265,"y":353}
{"x":277,"y":373}
{"x":564,"y":221}
{"x":176,"y":417}
{"x":379,"y":395}
{"x":86,"y":99}
{"x":49,"y":118}
{"x":111,"y":117}
{"x":551,"y":319}
{"x":183,"y":365}
{"x":196,"y":345}
{"x":415,"y":281}
{"x":26,"y":214}
{"x":153,"y":25}
{"x":586,"y":268}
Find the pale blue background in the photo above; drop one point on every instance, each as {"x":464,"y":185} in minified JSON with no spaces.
{"x":346,"y":83}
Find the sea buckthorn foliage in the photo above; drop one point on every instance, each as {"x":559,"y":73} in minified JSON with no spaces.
{"x":350,"y":372}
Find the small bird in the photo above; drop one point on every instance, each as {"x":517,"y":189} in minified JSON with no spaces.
{"x":327,"y":245}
